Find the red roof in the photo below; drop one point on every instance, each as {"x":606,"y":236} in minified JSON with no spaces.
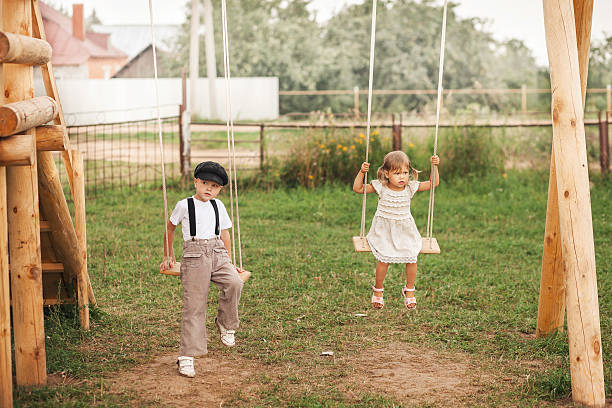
{"x":68,"y":49}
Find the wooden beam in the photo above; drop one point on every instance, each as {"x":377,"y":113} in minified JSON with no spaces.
{"x":23,"y":115}
{"x":21,"y":49}
{"x":38,"y":29}
{"x":55,"y":209}
{"x":23,"y":223}
{"x":573,"y":196}
{"x":50,"y":138}
{"x":551,"y":304}
{"x":81,"y":233}
{"x":17,"y":150}
{"x":6,"y":376}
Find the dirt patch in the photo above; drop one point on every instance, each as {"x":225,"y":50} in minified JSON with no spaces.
{"x":218,"y":377}
{"x":420,"y":375}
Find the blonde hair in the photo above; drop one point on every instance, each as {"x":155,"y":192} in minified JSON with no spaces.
{"x":396,"y":160}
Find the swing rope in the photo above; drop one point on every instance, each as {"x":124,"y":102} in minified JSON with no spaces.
{"x":430,"y":215}
{"x":231,"y":150}
{"x":371,"y":78}
{"x":432,"y":190}
{"x":159,"y":128}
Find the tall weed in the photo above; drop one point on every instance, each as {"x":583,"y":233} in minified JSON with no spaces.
{"x":469,"y":152}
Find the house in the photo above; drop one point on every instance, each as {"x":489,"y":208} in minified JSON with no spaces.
{"x":135,"y":40}
{"x":78,"y":53}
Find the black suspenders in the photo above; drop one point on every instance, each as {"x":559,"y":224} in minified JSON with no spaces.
{"x":192,"y":220}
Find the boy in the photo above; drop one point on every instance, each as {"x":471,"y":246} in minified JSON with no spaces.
{"x":206,"y":250}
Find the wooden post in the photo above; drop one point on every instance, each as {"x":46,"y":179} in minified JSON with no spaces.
{"x":6,"y":376}
{"x":24,"y":223}
{"x":397,"y":134}
{"x":81,"y":233}
{"x":185,"y":123}
{"x":180,"y":126}
{"x":551,"y":304}
{"x":608,"y":98}
{"x":356,"y":102}
{"x":604,"y":152}
{"x":573,"y":196}
{"x":524,"y":98}
{"x":261,"y":148}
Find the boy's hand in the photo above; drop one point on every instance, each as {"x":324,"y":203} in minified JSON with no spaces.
{"x":167,"y":264}
{"x":435,"y":160}
{"x":365,"y":166}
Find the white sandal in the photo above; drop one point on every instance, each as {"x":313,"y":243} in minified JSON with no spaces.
{"x":378,"y":300}
{"x":409,"y":302}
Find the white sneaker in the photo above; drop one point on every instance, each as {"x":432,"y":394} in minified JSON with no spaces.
{"x":186,"y":366}
{"x":227,"y":336}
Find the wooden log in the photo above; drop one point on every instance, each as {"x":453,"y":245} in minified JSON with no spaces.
{"x":575,"y":220}
{"x":551,"y":304}
{"x":23,"y":223}
{"x":50,"y":138}
{"x":81,"y":233}
{"x":38,"y":30}
{"x":17,"y":150}
{"x":6,"y":376}
{"x":23,"y":115}
{"x":21,"y":49}
{"x":55,"y":209}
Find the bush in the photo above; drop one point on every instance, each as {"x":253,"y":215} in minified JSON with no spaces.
{"x":468,"y":152}
{"x":331,"y":156}
{"x":335,"y":155}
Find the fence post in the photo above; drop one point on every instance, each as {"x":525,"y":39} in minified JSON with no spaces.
{"x":397,"y":133}
{"x":524,"y":98}
{"x":609,"y":98}
{"x":261,"y":147}
{"x":356,"y":101}
{"x":604,"y":155}
{"x":185,"y":130}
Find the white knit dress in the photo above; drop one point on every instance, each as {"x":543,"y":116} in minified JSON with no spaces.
{"x":393,"y":236}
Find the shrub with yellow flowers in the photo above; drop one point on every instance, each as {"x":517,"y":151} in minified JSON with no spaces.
{"x":334,"y":155}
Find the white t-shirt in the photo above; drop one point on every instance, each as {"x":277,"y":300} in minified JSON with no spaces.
{"x":205,"y":218}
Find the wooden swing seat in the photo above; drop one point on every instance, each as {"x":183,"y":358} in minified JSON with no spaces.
{"x":176,"y":271}
{"x":430,"y":245}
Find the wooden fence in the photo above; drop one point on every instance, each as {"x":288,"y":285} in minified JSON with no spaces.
{"x":522,"y":91}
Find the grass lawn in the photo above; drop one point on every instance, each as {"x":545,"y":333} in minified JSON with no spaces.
{"x":477,"y":302}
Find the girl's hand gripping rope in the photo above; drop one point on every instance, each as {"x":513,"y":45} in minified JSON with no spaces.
{"x":365,"y":166}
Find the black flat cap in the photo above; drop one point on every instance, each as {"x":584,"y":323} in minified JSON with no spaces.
{"x":212,"y":171}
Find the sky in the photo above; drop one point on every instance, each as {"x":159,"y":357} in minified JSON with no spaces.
{"x":521,"y":19}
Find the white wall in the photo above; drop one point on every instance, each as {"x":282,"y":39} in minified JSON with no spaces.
{"x":91,"y":101}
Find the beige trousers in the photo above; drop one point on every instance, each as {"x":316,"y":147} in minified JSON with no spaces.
{"x":205,"y":261}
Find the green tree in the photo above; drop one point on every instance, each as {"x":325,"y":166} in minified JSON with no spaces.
{"x":281,"y":38}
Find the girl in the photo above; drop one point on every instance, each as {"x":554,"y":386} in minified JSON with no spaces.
{"x":393,"y":236}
